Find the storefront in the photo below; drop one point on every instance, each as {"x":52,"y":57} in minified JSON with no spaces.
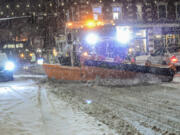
{"x":169,"y":36}
{"x":139,"y":42}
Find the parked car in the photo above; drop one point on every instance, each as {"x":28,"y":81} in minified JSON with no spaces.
{"x":162,"y":56}
{"x":6,"y":68}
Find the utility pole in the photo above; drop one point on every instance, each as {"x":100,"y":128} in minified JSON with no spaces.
{"x":72,"y":44}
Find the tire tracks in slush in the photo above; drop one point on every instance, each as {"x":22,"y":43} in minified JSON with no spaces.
{"x":49,"y":115}
{"x":128,"y":111}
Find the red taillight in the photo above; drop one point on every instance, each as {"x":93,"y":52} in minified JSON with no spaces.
{"x":132,"y":60}
{"x":174,"y":59}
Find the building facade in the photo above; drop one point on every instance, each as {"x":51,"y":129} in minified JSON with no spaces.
{"x":31,"y":19}
{"x":154,"y":22}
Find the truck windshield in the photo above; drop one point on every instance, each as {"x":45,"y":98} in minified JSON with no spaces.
{"x":174,"y":49}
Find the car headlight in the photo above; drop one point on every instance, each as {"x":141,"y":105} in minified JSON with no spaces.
{"x":9,"y":66}
{"x":40,"y":61}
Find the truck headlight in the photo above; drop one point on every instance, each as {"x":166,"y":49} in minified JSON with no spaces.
{"x":9,"y":66}
{"x":123,"y":35}
{"x":92,"y":38}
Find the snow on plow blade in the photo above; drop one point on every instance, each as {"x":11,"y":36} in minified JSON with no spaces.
{"x":104,"y":70}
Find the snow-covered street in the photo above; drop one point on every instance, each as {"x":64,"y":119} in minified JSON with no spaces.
{"x":34,"y":105}
{"x":26,"y":108}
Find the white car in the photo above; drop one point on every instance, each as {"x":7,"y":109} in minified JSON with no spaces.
{"x":141,"y":60}
{"x":162,"y":56}
{"x":6,"y":68}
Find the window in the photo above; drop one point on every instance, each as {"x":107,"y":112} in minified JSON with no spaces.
{"x":9,"y":46}
{"x":97,"y":11}
{"x":139,"y":11}
{"x":116,"y":9}
{"x":162,"y":9}
{"x":115,"y":16}
{"x":95,"y":16}
{"x":117,"y":12}
{"x":5,"y":46}
{"x":178,"y":11}
{"x":19,"y":45}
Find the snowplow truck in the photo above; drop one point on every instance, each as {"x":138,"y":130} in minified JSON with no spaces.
{"x":97,"y":49}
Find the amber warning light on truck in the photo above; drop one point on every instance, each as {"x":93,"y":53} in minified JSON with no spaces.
{"x":85,"y":24}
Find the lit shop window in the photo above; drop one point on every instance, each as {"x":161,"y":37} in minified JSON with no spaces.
{"x":9,"y":46}
{"x":19,"y":45}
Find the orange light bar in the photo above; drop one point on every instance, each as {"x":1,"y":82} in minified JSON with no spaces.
{"x":69,"y":24}
{"x":91,"y":24}
{"x":85,"y":24}
{"x":100,"y":23}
